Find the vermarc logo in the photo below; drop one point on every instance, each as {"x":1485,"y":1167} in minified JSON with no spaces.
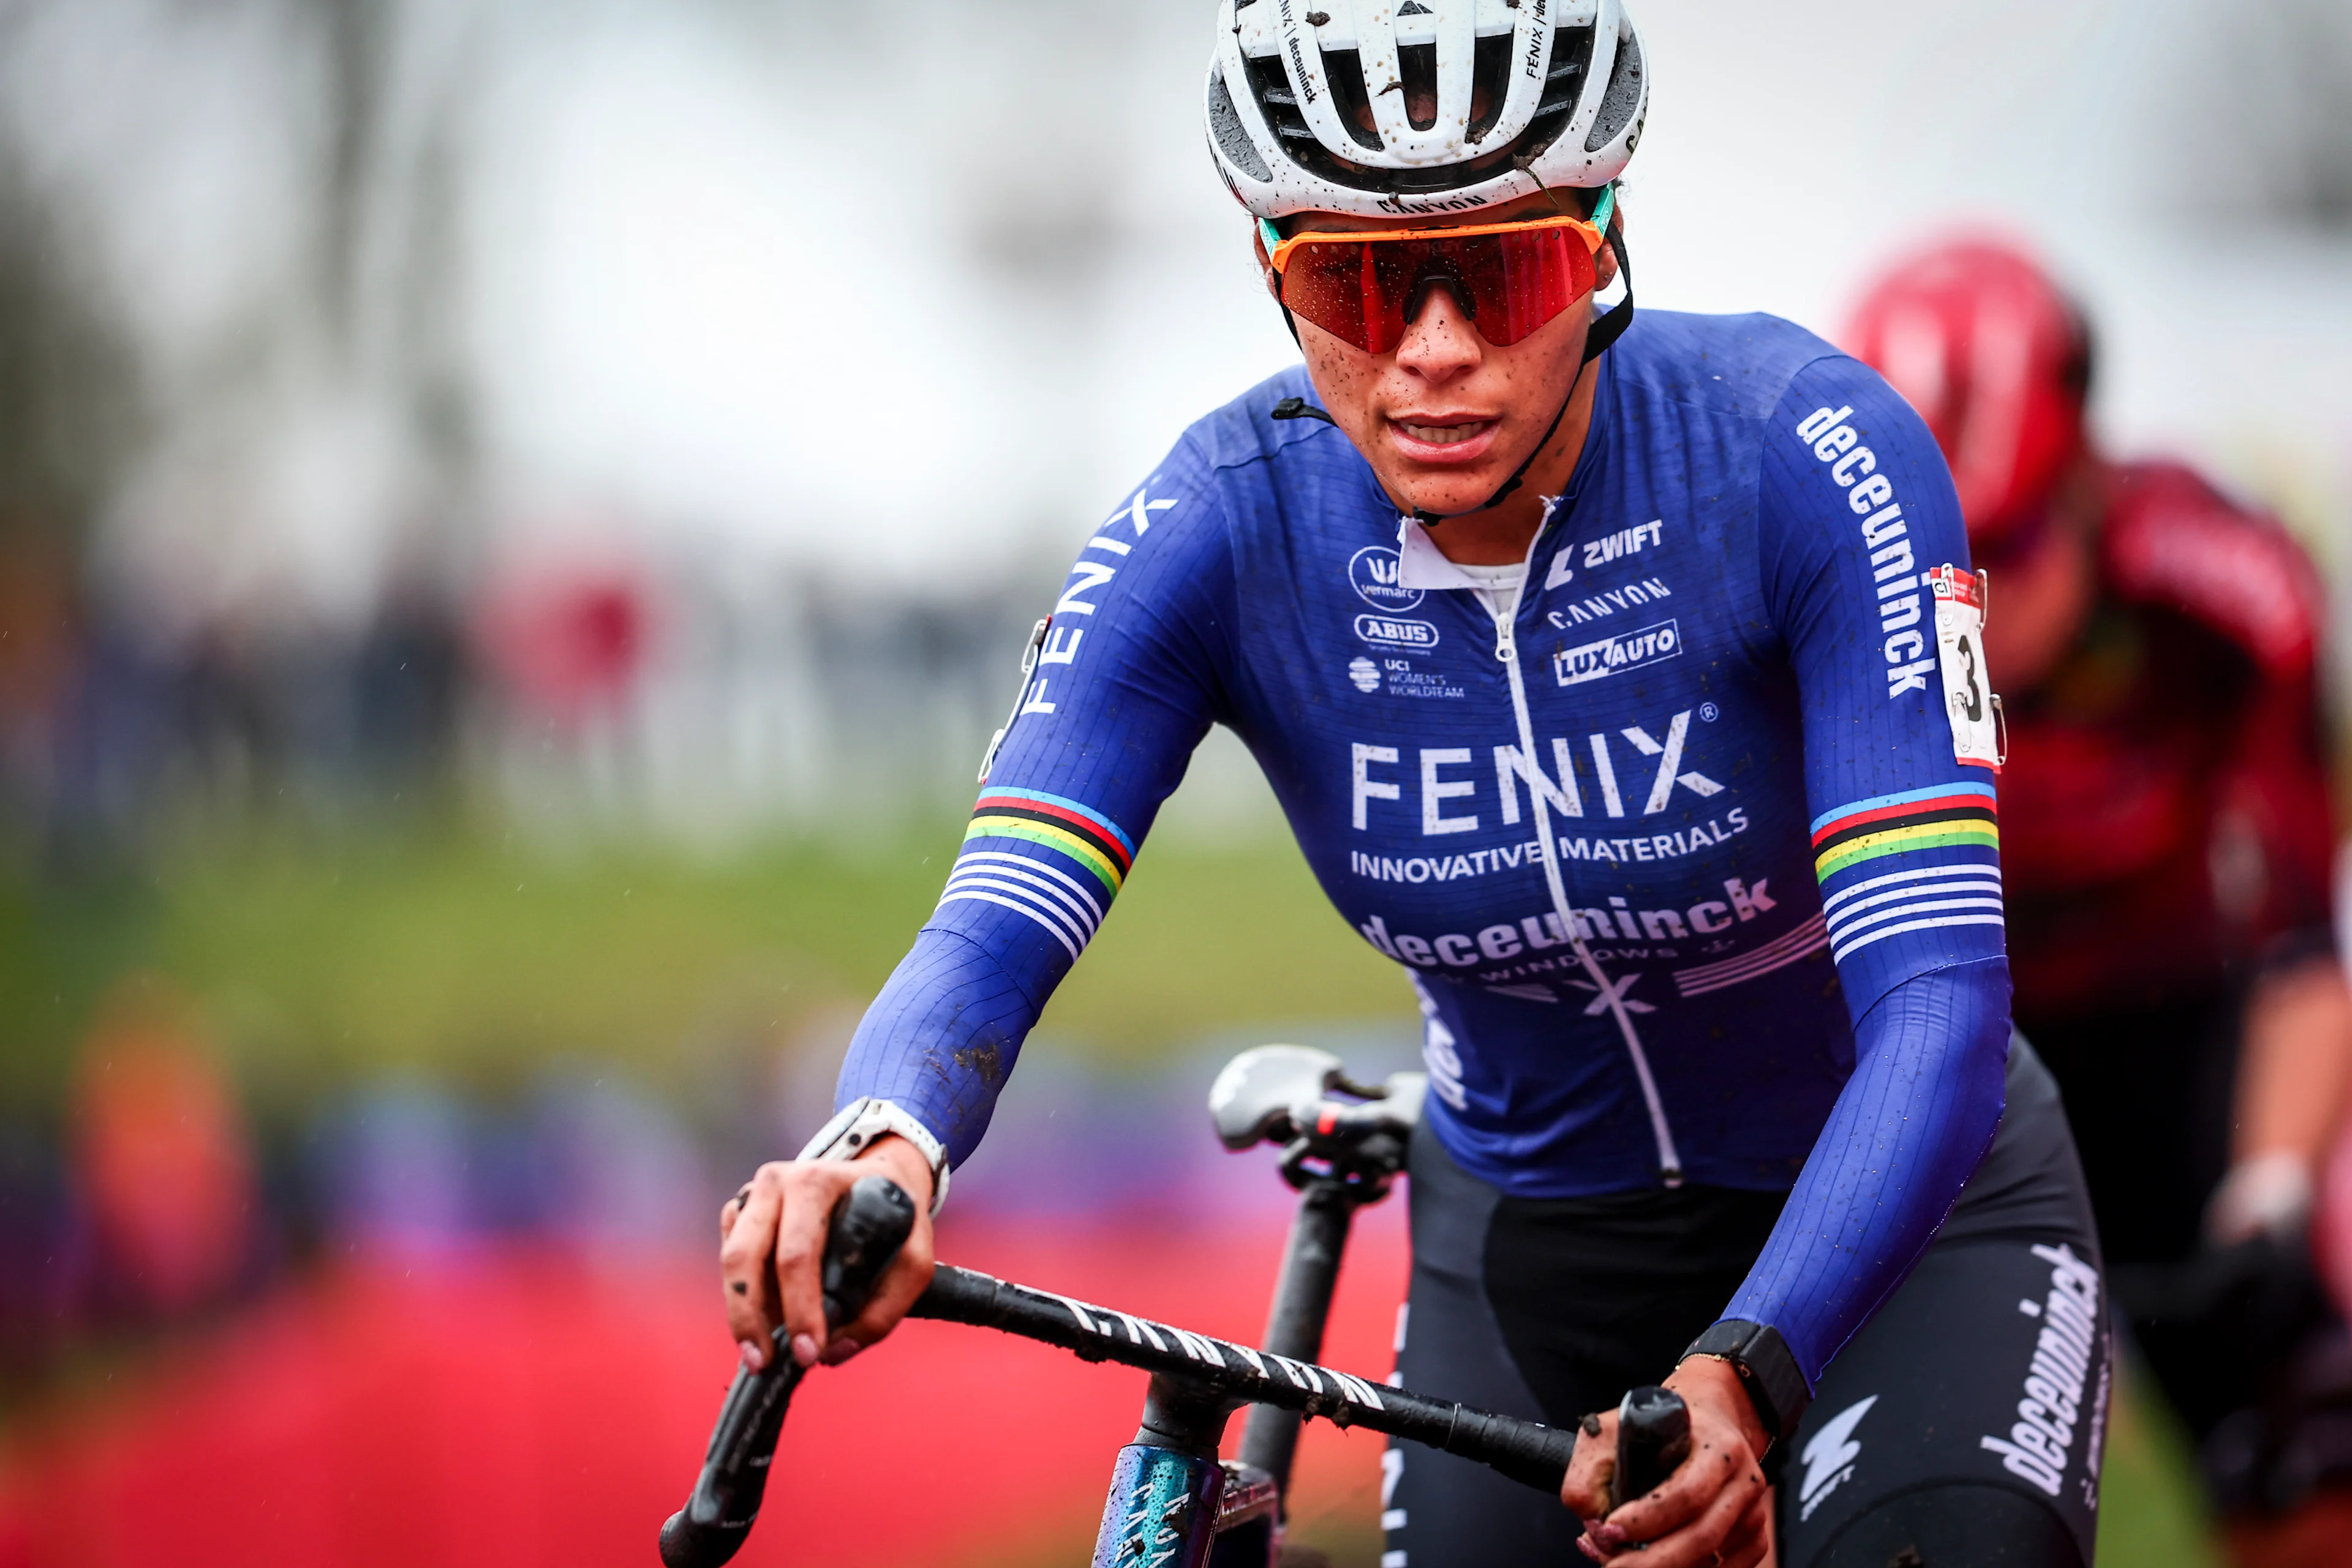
{"x":1376,"y":572}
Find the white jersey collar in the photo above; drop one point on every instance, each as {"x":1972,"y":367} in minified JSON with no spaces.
{"x":1422,"y":564}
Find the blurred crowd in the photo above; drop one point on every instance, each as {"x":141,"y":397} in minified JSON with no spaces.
{"x":110,"y":730}
{"x":160,"y":1196}
{"x":563,"y":692}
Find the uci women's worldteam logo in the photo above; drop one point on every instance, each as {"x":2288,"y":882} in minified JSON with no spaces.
{"x":1377,"y":571}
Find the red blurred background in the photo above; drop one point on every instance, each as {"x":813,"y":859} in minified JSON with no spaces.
{"x":520,"y":1406}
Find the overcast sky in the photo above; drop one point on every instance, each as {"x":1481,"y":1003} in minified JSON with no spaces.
{"x":919,"y":293}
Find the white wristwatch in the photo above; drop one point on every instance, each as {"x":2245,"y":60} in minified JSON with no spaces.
{"x":853,"y":1129}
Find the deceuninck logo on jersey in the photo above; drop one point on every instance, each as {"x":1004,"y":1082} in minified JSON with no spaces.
{"x":1651,"y":644}
{"x":1377,"y":571}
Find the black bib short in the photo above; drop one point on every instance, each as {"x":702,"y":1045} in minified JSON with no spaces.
{"x":1963,"y":1424}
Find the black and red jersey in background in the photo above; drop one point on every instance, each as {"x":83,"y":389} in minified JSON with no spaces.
{"x":2165,"y":825}
{"x":2165,"y":811}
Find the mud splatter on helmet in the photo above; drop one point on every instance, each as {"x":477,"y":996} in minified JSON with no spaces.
{"x":1402,"y":108}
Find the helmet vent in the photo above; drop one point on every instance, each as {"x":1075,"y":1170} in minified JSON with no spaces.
{"x":1344,"y":69}
{"x":1417,"y":70}
{"x":1568,"y":70}
{"x":1232,"y":138}
{"x":1624,"y":94}
{"x":1571,"y":58}
{"x":1280,"y":105}
{"x":1490,"y":84}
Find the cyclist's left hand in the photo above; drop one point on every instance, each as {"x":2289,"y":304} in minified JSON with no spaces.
{"x":1714,"y":1510}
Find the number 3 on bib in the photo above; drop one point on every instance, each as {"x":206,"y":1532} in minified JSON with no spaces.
{"x":1978,"y":730}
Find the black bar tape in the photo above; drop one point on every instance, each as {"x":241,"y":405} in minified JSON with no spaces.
{"x":1525,"y":1451}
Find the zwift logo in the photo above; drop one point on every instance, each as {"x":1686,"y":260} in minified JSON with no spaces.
{"x":1830,"y":1457}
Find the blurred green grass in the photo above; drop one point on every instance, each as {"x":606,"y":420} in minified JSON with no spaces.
{"x":477,"y":960}
{"x":2152,"y":1512}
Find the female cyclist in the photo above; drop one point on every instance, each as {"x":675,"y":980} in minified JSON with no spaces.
{"x":1596,"y":665}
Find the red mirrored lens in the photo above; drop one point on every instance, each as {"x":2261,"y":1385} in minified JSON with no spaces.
{"x":1337,"y":287}
{"x":1510,"y":283}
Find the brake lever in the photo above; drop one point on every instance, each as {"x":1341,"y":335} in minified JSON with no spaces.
{"x":869,"y":1225}
{"x":1653,"y":1437}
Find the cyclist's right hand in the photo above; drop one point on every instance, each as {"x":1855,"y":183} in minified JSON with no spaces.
{"x":772,"y":1251}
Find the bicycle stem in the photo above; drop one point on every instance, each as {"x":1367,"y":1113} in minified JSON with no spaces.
{"x":1527,"y":1452}
{"x":1302,"y":1304}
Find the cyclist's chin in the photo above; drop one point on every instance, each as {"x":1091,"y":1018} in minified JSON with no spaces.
{"x":1447,"y":485}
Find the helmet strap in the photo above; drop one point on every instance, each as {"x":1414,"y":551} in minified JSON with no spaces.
{"x":1299,"y":409}
{"x":1610,"y":327}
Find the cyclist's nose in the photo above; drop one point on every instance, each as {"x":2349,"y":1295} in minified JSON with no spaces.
{"x":1440,"y":339}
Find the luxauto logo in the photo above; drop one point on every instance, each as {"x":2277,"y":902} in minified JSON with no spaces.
{"x":1376,"y":572}
{"x":1626,"y":650}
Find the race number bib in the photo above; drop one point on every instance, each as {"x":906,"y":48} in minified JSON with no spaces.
{"x":1968,"y":698}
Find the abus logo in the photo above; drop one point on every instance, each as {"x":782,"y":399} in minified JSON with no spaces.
{"x":1388,"y":631}
{"x":1644,"y":645}
{"x":1376,"y":569}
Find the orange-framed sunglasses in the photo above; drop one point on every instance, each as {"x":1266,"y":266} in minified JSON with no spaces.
{"x":1510,"y":277}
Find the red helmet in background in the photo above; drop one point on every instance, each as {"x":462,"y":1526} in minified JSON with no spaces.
{"x":1977,"y":338}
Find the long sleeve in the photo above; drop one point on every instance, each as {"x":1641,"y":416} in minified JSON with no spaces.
{"x":1129,"y":677}
{"x":1857,"y":509}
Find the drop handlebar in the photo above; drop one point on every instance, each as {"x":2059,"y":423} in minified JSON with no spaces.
{"x":1523,"y":1451}
{"x":870,"y":1224}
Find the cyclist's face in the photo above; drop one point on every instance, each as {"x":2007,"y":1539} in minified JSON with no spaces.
{"x":1445,"y":416}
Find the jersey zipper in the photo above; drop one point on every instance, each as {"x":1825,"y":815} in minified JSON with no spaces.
{"x":1506,"y":650}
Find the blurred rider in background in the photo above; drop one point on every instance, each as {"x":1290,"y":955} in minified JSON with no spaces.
{"x":2168,"y":847}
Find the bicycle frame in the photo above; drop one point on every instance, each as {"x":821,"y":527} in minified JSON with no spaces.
{"x":1171,"y":1502}
{"x":1341,"y":1154}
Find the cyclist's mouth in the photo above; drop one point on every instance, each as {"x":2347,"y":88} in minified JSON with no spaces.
{"x":1443,"y":438}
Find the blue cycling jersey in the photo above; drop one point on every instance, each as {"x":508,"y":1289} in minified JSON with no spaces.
{"x":1766,"y":949}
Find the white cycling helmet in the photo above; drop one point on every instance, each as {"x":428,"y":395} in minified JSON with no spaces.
{"x":1311,"y":102}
